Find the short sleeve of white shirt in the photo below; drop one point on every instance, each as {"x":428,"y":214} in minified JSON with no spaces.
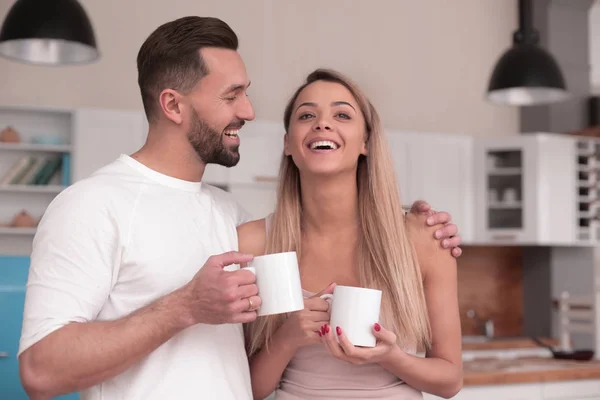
{"x":242,"y":215}
{"x":74,"y":261}
{"x":230,"y":204}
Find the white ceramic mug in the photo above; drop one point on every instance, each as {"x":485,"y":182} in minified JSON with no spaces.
{"x":278,"y":281}
{"x":355,"y":310}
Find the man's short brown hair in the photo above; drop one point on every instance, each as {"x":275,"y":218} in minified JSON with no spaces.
{"x":170,"y":56}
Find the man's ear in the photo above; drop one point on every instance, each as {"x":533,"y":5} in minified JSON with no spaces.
{"x":171,"y":106}
{"x":286,"y":146}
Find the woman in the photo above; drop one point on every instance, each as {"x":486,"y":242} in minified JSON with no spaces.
{"x":339,"y":209}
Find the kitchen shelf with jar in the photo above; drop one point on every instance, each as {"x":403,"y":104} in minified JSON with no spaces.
{"x":536,"y":189}
{"x":35,"y":152}
{"x":43,"y":150}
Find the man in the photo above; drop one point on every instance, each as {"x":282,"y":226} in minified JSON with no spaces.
{"x":125,"y":298}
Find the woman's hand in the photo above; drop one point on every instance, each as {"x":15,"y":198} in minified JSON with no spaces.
{"x":301,"y":328}
{"x":346,"y":351}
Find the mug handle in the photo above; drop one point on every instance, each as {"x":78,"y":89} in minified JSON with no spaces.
{"x":251,"y":269}
{"x":327,"y":297}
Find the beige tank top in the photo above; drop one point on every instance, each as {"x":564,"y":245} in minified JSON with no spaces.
{"x":314,"y":374}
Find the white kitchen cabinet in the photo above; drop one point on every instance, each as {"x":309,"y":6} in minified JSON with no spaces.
{"x":536,"y":189}
{"x":261,"y":147}
{"x":436,"y":168}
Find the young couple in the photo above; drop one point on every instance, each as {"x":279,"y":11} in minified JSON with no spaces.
{"x":119,"y":305}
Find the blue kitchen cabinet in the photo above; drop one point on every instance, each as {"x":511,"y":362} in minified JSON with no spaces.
{"x":13,"y":277}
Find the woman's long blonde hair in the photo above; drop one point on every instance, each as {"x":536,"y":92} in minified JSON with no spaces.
{"x":387,"y":260}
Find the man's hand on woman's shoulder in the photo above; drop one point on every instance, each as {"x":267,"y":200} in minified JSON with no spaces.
{"x":437,"y":224}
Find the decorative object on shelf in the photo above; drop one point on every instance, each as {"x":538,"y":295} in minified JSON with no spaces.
{"x":23,"y":220}
{"x":526,"y":74}
{"x":51,"y":32}
{"x":9,"y":135}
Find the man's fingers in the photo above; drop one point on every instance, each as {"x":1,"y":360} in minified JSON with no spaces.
{"x":452,"y":242}
{"x":229,"y":258}
{"x":247,"y":290}
{"x":420,"y":206}
{"x":441,"y":217}
{"x":457,"y":252}
{"x":245,"y":317}
{"x":446,"y":231}
{"x":247,"y":304}
{"x":242,"y":277}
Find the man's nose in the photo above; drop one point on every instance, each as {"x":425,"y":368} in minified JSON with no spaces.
{"x":246,"y":111}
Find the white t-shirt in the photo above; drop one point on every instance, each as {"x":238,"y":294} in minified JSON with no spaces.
{"x":115,"y":242}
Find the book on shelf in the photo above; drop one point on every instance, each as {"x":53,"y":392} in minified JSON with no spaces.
{"x":37,"y":170}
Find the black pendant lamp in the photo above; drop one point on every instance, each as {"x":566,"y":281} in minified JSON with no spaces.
{"x":526,"y":74}
{"x":48,"y":32}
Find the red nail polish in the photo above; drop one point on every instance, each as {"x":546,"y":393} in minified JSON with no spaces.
{"x":322,"y":331}
{"x":338,"y":330}
{"x":377,"y":327}
{"x":326,"y":328}
{"x":319,"y":332}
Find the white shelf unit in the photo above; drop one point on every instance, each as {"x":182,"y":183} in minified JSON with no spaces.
{"x":588,"y":187}
{"x":46,"y":148}
{"x":5,"y":230}
{"x":93,"y":138}
{"x":30,"y":123}
{"x":536,"y":189}
{"x":31,"y":188}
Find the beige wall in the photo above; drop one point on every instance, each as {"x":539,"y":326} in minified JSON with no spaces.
{"x":594,"y":48}
{"x":424,"y":63}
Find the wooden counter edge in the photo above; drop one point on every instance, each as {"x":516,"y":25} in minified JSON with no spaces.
{"x":515,"y":377}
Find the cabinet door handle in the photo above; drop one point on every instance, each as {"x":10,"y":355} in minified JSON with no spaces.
{"x":3,"y":354}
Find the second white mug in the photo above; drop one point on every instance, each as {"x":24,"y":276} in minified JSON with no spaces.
{"x":355,"y":310}
{"x":278,"y":281}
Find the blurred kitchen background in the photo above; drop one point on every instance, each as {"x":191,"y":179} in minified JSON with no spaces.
{"x":509,"y":146}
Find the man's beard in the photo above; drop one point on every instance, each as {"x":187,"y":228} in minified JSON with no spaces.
{"x":209,"y":146}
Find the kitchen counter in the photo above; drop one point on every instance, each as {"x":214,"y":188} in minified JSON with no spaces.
{"x":504,"y":343}
{"x":527,"y":370}
{"x":501,"y":369}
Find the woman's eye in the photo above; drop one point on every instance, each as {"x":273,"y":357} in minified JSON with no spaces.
{"x":343,"y":116}
{"x":305,"y":116}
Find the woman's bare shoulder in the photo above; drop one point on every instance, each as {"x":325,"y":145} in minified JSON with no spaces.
{"x":430,"y":253}
{"x":252,"y":237}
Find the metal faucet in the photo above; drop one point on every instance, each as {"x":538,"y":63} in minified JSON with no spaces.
{"x":487,"y":325}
